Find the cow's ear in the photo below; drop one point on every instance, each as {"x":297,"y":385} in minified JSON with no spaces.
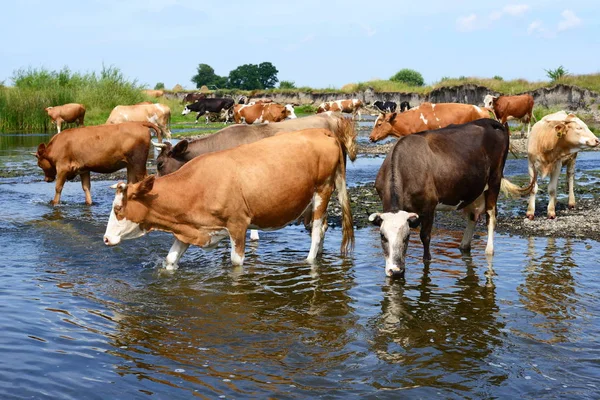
{"x":392,"y":118}
{"x":41,"y":150}
{"x":413,"y":220}
{"x":180,"y":148}
{"x":375,"y":219}
{"x":560,"y":130}
{"x":145,"y":186}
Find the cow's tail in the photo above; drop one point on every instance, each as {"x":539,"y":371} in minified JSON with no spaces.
{"x":344,"y":201}
{"x":346,"y":136}
{"x":159,"y":133}
{"x":511,"y":190}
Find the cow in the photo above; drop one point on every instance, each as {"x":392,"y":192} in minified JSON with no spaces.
{"x":459,"y":167}
{"x":205,"y":106}
{"x":153,"y":93}
{"x":351,"y":106}
{"x":71,"y":112}
{"x":263,"y":185}
{"x":257,"y":113}
{"x":388,"y":106}
{"x":157,"y":113}
{"x":100,"y":148}
{"x":171,"y":158}
{"x":192,"y":97}
{"x":404,"y":106}
{"x":424,"y":117}
{"x":511,"y":107}
{"x":554,"y":143}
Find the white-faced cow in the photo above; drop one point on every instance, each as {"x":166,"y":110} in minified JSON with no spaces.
{"x":518,"y":107}
{"x":351,"y":106}
{"x":554,"y":142}
{"x":455,"y":168}
{"x":101,"y":148}
{"x":258,"y":113}
{"x":263,"y":185}
{"x":157,"y":114}
{"x":385,"y":106}
{"x":71,"y":112}
{"x":424,"y":117}
{"x":206,"y":106}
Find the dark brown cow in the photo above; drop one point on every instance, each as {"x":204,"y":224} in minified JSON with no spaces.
{"x":71,"y":112}
{"x":511,"y":107}
{"x":263,"y":185}
{"x":101,"y":148}
{"x":424,"y":117}
{"x":192,"y":98}
{"x":458,"y":168}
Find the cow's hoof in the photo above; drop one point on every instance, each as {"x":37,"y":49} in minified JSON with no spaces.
{"x":530,"y":217}
{"x":551,"y":216}
{"x":571,"y":206}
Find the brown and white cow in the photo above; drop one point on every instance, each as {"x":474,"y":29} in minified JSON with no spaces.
{"x":518,"y":107}
{"x":257,"y":113}
{"x":157,"y":113}
{"x":71,"y":112}
{"x":263,"y":185}
{"x":454,"y":168}
{"x":424,"y":117}
{"x":351,"y":106}
{"x":101,"y":148}
{"x":553,"y":143}
{"x":154,"y":93}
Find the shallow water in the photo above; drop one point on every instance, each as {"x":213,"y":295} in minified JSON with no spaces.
{"x":82,"y":320}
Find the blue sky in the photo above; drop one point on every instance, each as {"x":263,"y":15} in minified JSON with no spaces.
{"x":312,"y":42}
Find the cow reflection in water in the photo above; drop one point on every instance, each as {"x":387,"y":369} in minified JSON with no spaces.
{"x":549,"y":292}
{"x":424,"y":330}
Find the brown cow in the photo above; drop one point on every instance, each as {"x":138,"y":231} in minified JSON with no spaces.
{"x":157,"y":113}
{"x":154,"y":93}
{"x":71,"y":112}
{"x":511,"y":107}
{"x":424,"y":117}
{"x":263,"y":185}
{"x":351,"y":106}
{"x":257,"y":113}
{"x":101,"y":148}
{"x":554,"y":142}
{"x":192,"y":97}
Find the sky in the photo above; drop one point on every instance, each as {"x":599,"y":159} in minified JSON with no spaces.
{"x":321,"y":44}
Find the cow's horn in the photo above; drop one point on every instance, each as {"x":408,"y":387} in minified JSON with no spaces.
{"x":159,"y":145}
{"x":33,"y":154}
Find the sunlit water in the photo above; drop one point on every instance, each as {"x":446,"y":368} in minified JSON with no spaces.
{"x":82,"y":320}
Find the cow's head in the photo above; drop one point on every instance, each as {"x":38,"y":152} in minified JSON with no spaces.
{"x":394,"y":228}
{"x":45,"y":163}
{"x":289,"y":111}
{"x":186,"y":111}
{"x":170,"y":158}
{"x":575,"y":133}
{"x":488,"y":100}
{"x":322,"y":108}
{"x":383,"y":126}
{"x":121,"y":225}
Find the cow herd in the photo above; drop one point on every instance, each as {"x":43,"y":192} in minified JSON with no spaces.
{"x":264,"y":176}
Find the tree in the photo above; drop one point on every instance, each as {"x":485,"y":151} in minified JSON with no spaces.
{"x":206,"y":76}
{"x":159,"y":86}
{"x":287,"y":85}
{"x":409,"y":76}
{"x":267,"y":75}
{"x":245,"y":77}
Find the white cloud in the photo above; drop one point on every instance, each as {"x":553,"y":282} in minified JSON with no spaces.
{"x":535,"y":27}
{"x":368,"y":30}
{"x":513,"y":10}
{"x":468,"y":23}
{"x":569,"y":21}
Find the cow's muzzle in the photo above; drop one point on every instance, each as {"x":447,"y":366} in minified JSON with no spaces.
{"x":112,"y":240}
{"x":395,"y":272}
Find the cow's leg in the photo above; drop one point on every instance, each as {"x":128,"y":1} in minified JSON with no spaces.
{"x":319,"y":221}
{"x":571,"y":181}
{"x":465,"y":244}
{"x":237,"y":236}
{"x":491,"y":215}
{"x":531,"y":204}
{"x":59,"y":122}
{"x":86,"y":185}
{"x":61,"y":178}
{"x":552,"y":186}
{"x":254,"y":234}
{"x":175,"y":253}
{"x":426,"y":225}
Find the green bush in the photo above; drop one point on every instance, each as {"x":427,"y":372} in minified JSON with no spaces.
{"x":557,"y":74}
{"x":159,"y":86}
{"x":408,"y":76}
{"x":287,"y":85}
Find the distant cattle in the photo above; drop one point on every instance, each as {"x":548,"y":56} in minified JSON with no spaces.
{"x":265,"y":185}
{"x":192,"y":98}
{"x":257,"y":113}
{"x":554,"y":143}
{"x":387,"y":106}
{"x":154,"y":93}
{"x":101,"y":148}
{"x":511,"y":107}
{"x":71,"y":112}
{"x":404,"y":106}
{"x":351,"y":106}
{"x":157,"y":113}
{"x":212,"y":105}
{"x":425,"y":117}
{"x":454,"y":168}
